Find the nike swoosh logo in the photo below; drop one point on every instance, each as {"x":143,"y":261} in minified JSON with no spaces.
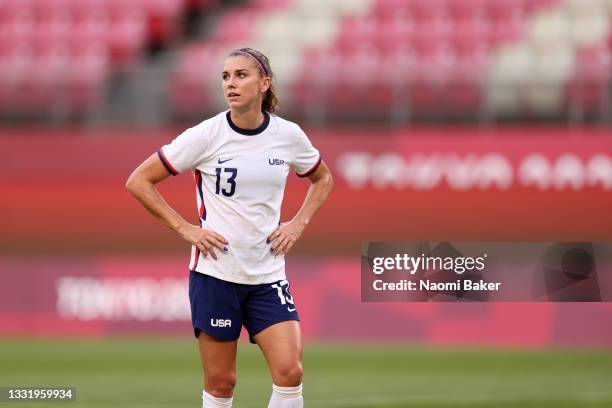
{"x":224,"y":161}
{"x":291,"y":309}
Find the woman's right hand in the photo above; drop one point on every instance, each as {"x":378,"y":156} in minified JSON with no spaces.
{"x":203,"y":238}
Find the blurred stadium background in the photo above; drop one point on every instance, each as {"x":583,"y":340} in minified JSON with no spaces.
{"x":481,"y":120}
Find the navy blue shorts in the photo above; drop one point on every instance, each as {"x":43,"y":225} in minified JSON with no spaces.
{"x":220,"y":308}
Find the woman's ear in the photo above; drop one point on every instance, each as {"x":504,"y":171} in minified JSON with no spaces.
{"x":266,"y":84}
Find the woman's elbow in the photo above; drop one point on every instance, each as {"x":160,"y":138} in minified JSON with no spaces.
{"x":329,"y":182}
{"x":132,"y":182}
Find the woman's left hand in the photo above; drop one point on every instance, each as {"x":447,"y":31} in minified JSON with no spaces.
{"x":285,"y":236}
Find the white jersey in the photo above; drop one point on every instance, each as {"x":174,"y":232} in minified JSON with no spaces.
{"x":240,"y":177}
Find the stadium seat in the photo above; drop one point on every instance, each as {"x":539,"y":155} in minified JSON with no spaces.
{"x":587,"y":87}
{"x":387,"y":9}
{"x":466,"y":9}
{"x":234,"y":26}
{"x":425,"y":10}
{"x":504,"y":10}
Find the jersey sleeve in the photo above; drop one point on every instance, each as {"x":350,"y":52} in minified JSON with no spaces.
{"x":306,"y":158}
{"x":186,"y":151}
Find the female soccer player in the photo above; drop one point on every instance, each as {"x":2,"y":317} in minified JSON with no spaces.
{"x":240,"y":159}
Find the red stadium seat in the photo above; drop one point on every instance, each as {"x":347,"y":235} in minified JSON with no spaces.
{"x":162,"y":19}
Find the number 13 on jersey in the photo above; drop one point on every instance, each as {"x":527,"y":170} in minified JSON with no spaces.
{"x":231,"y":181}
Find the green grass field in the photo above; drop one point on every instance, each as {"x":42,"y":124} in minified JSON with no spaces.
{"x":139,"y":373}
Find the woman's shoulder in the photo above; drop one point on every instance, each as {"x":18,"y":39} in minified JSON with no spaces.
{"x":286,"y":125}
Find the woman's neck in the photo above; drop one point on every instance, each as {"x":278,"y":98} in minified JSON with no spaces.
{"x":250,"y":119}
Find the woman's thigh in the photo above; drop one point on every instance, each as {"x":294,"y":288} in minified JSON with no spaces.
{"x":282,"y":347}
{"x":218,"y":358}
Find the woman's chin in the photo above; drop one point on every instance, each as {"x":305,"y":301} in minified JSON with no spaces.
{"x":234,"y":104}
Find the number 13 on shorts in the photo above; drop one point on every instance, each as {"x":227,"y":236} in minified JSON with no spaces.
{"x":282,"y":288}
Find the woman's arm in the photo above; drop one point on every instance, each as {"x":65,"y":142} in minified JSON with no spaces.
{"x":288,"y":233}
{"x":141,"y":184}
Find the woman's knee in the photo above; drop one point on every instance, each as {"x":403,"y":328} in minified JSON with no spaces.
{"x":220,"y":384}
{"x":288,"y":375}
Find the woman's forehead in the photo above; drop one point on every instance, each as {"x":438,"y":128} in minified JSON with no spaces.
{"x":237,"y":62}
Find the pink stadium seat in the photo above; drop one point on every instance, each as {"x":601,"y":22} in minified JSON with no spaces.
{"x":271,"y":5}
{"x":194,"y":70}
{"x":44,"y":8}
{"x":469,"y":33}
{"x":439,"y":64}
{"x":423,"y":96}
{"x":83,"y":8}
{"x":504,"y":10}
{"x":86,"y":78}
{"x":119,"y":8}
{"x":234,"y":26}
{"x":12,"y":6}
{"x":56,"y":27}
{"x":466,"y":9}
{"x":91,"y":28}
{"x":462,"y":96}
{"x":318,"y":78}
{"x":321,"y":62}
{"x":473,"y":57}
{"x":354,"y":33}
{"x":535,"y":5}
{"x":126,"y":36}
{"x":594,"y":63}
{"x":15,"y":58}
{"x":428,"y":39}
{"x":427,"y":9}
{"x":401,"y":65}
{"x":589,"y":86}
{"x":510,"y":29}
{"x":363,"y":64}
{"x":399,"y":29}
{"x":387,"y":9}
{"x":16,"y":24}
{"x":40,"y":83}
